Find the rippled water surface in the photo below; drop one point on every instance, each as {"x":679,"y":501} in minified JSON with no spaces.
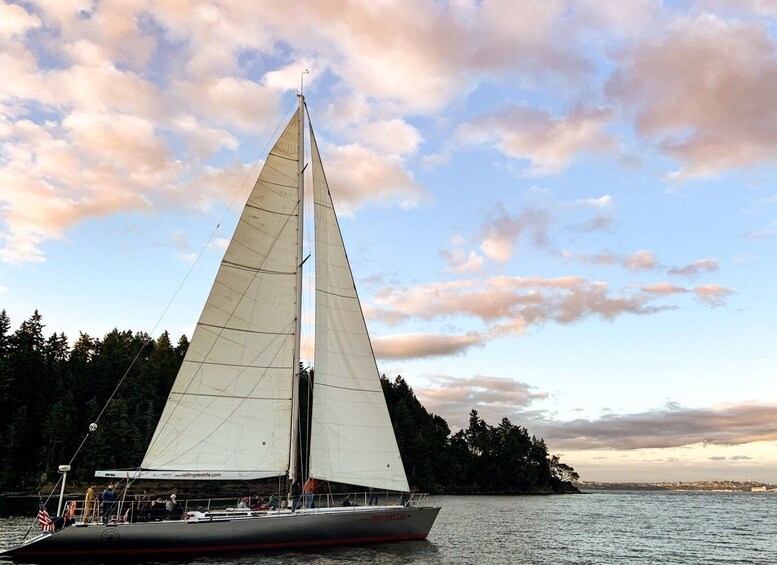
{"x":603,"y":527}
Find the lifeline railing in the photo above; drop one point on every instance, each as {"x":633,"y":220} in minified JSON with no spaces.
{"x":156,"y":508}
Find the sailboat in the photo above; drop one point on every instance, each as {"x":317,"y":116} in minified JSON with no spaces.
{"x":233,"y":410}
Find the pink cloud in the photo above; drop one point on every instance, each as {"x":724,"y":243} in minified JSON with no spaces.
{"x":696,"y":268}
{"x":362,"y":175}
{"x":641,"y":261}
{"x":393,"y":137}
{"x":493,"y":397}
{"x":664,"y":289}
{"x":112,"y":25}
{"x":461,"y":262}
{"x":712,"y":294}
{"x":638,"y":261}
{"x":15,"y":20}
{"x":235,"y":102}
{"x":548,"y":142}
{"x":671,"y":426}
{"x":703,"y":91}
{"x":414,"y":346}
{"x":509,"y":305}
{"x":500,"y":231}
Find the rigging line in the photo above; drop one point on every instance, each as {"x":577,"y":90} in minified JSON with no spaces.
{"x":45,"y":502}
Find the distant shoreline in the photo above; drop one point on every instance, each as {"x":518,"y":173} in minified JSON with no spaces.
{"x":706,"y":486}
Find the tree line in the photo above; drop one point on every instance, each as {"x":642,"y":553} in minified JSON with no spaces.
{"x":50,"y":392}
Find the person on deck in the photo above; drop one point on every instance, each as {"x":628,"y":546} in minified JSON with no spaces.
{"x":172,"y":508}
{"x":157,"y":510}
{"x":90,"y":504}
{"x":373,"y":497}
{"x":272,"y":504}
{"x":108,"y":499}
{"x":309,"y":489}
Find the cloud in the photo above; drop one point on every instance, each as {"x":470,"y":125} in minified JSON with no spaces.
{"x":600,"y":222}
{"x":604,"y":201}
{"x":493,"y":397}
{"x":362,"y":175}
{"x":671,"y":426}
{"x":712,"y":294}
{"x":229,"y":101}
{"x":415,"y":346}
{"x":501,"y":230}
{"x":16,"y":21}
{"x":664,"y":289}
{"x":510,"y":305}
{"x":549,"y":143}
{"x":642,"y":260}
{"x":395,"y":137}
{"x":767,"y":233}
{"x":695,"y":268}
{"x":679,"y":88}
{"x":54,"y":176}
{"x":461,"y":262}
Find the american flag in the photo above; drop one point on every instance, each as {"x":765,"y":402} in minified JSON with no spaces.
{"x":44,"y":520}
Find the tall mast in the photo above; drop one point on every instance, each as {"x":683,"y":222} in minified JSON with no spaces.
{"x":294,"y":445}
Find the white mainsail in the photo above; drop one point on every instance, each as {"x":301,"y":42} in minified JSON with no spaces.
{"x":230,"y":406}
{"x":352,"y":439}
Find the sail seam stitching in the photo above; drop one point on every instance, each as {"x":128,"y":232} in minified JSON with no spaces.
{"x":349,"y":388}
{"x":256,"y":269}
{"x":280,"y":398}
{"x":244,"y":330}
{"x":255,"y":207}
{"x":330,"y":293}
{"x":282,"y":156}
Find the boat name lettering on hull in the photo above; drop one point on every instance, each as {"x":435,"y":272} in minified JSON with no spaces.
{"x":385,"y":517}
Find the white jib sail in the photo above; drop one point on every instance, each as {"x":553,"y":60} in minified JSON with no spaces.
{"x":352,"y":439}
{"x":230,"y":406}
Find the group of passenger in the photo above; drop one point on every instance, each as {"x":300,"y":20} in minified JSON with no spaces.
{"x":146,"y":508}
{"x":259,"y":503}
{"x":142,"y":508}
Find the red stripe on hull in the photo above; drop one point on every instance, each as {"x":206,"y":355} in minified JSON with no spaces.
{"x":209,"y":549}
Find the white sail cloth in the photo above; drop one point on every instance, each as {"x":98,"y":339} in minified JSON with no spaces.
{"x":230,"y":406}
{"x":352,"y":439}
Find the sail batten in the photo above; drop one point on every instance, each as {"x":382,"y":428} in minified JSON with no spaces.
{"x":230,"y":406}
{"x":352,"y":439}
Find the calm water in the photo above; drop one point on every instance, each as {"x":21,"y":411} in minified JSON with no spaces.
{"x":604,"y":527}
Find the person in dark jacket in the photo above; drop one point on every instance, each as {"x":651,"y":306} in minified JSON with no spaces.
{"x":108,"y":498}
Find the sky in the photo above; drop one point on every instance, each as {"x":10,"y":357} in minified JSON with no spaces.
{"x":559,"y":212}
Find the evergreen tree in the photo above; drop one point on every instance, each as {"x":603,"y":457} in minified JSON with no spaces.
{"x":49,"y":395}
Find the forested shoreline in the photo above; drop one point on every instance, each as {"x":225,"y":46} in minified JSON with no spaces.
{"x":50,"y":392}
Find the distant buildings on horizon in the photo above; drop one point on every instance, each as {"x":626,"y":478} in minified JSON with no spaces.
{"x":711,"y":486}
